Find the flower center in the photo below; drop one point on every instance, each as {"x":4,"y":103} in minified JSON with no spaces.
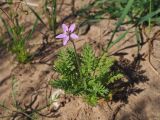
{"x":68,"y":33}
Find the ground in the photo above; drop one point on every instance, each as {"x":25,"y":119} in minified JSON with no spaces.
{"x":140,"y":96}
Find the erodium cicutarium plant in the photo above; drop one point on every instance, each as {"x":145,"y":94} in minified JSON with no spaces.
{"x":83,"y":73}
{"x":68,"y":34}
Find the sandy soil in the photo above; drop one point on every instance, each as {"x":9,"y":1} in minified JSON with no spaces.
{"x":139,"y":98}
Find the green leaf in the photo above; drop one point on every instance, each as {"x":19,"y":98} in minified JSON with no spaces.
{"x":118,"y":39}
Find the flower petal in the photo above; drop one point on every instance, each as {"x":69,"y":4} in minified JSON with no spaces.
{"x":72,"y":27}
{"x":65,"y":40}
{"x":65,"y":28}
{"x":60,"y":36}
{"x":74,"y":36}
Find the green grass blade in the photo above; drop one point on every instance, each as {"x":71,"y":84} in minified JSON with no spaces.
{"x":37,"y":15}
{"x":150,"y":10}
{"x":88,"y":7}
{"x":120,"y":21}
{"x":148,"y":16}
{"x":33,"y":29}
{"x":118,"y":39}
{"x":125,"y":12}
{"x":14,"y":92}
{"x":138,"y":38}
{"x":53,"y":16}
{"x":8,"y":28}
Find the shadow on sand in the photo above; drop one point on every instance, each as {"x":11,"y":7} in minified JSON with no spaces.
{"x":134,"y":74}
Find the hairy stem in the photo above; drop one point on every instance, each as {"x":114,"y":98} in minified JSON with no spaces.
{"x":78,"y":62}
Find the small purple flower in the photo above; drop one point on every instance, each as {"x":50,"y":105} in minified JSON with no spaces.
{"x":67,"y":33}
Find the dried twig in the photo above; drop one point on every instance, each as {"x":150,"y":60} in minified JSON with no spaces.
{"x":150,"y":47}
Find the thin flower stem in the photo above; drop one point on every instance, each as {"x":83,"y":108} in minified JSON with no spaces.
{"x":78,"y":65}
{"x":77,"y":60}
